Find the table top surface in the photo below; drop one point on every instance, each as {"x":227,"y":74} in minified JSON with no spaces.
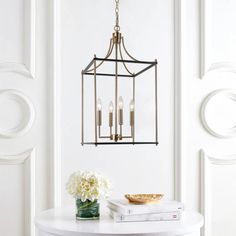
{"x":61,"y":221}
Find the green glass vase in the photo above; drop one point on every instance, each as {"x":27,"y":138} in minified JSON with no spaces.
{"x":87,"y":210}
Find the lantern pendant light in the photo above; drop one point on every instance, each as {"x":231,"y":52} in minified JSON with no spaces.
{"x":118,"y":58}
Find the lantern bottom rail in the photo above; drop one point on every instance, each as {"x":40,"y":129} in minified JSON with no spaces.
{"x":117,"y":143}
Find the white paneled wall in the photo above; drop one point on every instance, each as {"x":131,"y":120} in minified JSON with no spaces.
{"x":209,"y":112}
{"x":17,"y":193}
{"x":218,"y":191}
{"x":27,"y":114}
{"x":18,"y":43}
{"x":45,"y":44}
{"x":217,"y":36}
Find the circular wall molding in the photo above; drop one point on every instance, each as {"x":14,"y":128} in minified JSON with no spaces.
{"x":17,"y":114}
{"x":218,"y":113}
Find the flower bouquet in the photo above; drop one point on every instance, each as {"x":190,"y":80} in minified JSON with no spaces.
{"x":87,"y":188}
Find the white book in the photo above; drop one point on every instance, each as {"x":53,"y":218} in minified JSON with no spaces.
{"x":164,"y":216}
{"x":125,"y":208}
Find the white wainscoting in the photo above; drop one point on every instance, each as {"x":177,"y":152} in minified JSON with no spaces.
{"x":27,"y":189}
{"x":208,"y":63}
{"x":211,"y":208}
{"x":30,"y":111}
{"x":26,"y":66}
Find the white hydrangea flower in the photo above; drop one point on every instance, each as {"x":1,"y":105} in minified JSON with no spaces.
{"x":88,"y":185}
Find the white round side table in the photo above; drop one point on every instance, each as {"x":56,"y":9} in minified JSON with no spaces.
{"x":61,"y":222}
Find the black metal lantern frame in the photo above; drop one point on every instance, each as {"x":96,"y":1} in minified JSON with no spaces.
{"x":117,"y":47}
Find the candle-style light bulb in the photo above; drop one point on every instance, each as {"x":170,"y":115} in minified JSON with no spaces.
{"x":99,"y":112}
{"x":131,"y":105}
{"x":111,"y":106}
{"x":99,"y":104}
{"x":120,"y":110}
{"x":120,"y":103}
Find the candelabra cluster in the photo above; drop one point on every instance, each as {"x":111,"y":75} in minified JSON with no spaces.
{"x":119,"y":121}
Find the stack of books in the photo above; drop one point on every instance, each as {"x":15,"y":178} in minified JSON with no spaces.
{"x":123,"y":211}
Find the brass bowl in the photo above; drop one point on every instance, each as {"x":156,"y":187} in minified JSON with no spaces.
{"x":144,"y":198}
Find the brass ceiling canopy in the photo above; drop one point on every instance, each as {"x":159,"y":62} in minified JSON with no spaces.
{"x":118,"y":56}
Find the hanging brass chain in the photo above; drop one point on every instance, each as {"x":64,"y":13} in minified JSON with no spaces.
{"x":117,"y":27}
